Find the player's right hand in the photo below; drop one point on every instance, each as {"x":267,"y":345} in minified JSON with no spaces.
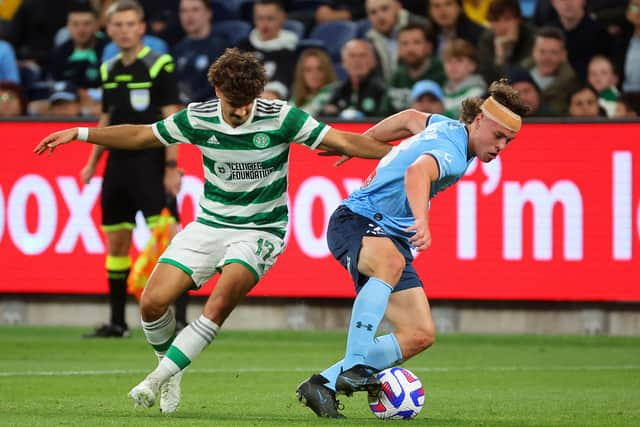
{"x":51,"y":141}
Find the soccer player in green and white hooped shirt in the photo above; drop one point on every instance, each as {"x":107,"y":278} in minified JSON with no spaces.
{"x":239,"y":233}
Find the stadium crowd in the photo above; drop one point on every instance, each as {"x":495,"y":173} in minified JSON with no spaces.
{"x":348,"y":59}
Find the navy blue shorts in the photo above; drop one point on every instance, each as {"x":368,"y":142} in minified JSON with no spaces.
{"x":344,"y":237}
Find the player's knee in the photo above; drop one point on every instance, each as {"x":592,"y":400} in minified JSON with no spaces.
{"x":151,"y":308}
{"x":390,"y":268}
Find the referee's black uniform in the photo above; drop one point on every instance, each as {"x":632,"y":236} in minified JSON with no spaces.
{"x":135,"y":94}
{"x":134,"y":179}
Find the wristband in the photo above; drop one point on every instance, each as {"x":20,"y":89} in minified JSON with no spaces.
{"x":83,"y":134}
{"x":171,"y":164}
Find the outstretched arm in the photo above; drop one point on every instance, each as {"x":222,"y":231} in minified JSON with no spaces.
{"x":400,"y":125}
{"x":353,"y":145}
{"x":417,"y":183}
{"x":124,"y":137}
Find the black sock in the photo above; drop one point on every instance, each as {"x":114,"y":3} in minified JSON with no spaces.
{"x":117,"y":295}
{"x":181,"y":308}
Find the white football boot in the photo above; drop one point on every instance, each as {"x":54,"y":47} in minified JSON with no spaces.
{"x":144,"y":394}
{"x":170,"y":394}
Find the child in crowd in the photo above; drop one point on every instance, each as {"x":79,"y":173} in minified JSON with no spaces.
{"x":462,"y":81}
{"x":603,"y":77}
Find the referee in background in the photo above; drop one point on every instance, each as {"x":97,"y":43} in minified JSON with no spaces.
{"x":139,"y":87}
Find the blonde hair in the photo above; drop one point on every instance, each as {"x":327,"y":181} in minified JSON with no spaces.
{"x":123,"y":6}
{"x":301,"y":92}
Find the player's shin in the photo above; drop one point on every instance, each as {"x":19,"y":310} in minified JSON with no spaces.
{"x":160,"y":333}
{"x":186,"y":347}
{"x":367,"y":313}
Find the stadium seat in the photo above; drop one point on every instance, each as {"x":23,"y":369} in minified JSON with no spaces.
{"x":295,"y":26}
{"x":224,"y":10}
{"x":234,"y":30}
{"x":341,"y":73}
{"x":334,"y":34}
{"x":297,"y":5}
{"x":363,"y":26}
{"x":527,"y":7}
{"x":245,"y":10}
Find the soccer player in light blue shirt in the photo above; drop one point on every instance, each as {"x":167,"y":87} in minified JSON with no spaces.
{"x":374,"y":232}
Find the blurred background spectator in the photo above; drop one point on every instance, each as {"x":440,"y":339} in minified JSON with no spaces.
{"x":64,"y":100}
{"x":275,"y":90}
{"x":507,"y":42}
{"x":386,"y":17}
{"x":462,"y":80}
{"x":314,"y":81}
{"x":628,"y":105}
{"x":632,"y":55}
{"x":584,"y":36}
{"x":427,"y":96}
{"x":272,"y":44}
{"x":78,"y":59}
{"x":197,"y":51}
{"x":12,"y":100}
{"x":362,"y":90}
{"x":8,"y":64}
{"x":583,"y":102}
{"x":603,"y":77}
{"x":551,"y":71}
{"x":528,"y":90}
{"x":416,"y":62}
{"x":450,"y":22}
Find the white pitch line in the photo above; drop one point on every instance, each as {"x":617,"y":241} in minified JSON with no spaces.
{"x":63,"y":373}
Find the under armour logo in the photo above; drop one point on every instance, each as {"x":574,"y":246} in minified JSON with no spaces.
{"x":369,"y":326}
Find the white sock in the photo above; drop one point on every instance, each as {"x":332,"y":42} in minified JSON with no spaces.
{"x":160,"y":333}
{"x":186,"y":347}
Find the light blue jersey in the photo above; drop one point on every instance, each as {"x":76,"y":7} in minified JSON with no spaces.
{"x":383,"y":197}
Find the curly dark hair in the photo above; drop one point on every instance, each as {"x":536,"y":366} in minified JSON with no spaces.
{"x":238,"y":75}
{"x":503,"y":93}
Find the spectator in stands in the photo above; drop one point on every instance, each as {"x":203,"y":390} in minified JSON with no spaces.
{"x":78,"y":59}
{"x":584,"y":36}
{"x":139,"y":88}
{"x":199,"y":49}
{"x":273,"y":45}
{"x":32,"y":31}
{"x":386,"y":18}
{"x":415,"y":49}
{"x":583,"y":102}
{"x":507,"y":42}
{"x":64,"y":100}
{"x":328,"y":11}
{"x":551,"y":71}
{"x":477,"y":10}
{"x":450,"y":22}
{"x":162,"y":20}
{"x":12,"y":100}
{"x":628,"y":105}
{"x":528,"y":91}
{"x":632,"y":56}
{"x":275,"y":90}
{"x":463,"y":82}
{"x":427,"y":96}
{"x":8,"y":65}
{"x":340,"y":10}
{"x":315,"y":79}
{"x":603,"y":77}
{"x":362,"y":91}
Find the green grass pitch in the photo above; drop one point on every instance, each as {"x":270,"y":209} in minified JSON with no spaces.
{"x":52,"y":377}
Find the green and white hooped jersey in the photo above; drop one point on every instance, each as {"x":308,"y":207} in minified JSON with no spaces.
{"x":245,"y":167}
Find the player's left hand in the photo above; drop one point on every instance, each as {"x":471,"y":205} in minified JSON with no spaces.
{"x":50,"y":142}
{"x":173,"y":180}
{"x":421,"y":240}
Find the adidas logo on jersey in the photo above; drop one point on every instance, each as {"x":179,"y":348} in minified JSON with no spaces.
{"x":213,"y":140}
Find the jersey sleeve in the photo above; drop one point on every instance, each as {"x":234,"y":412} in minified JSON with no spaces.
{"x":175,"y":129}
{"x":451,"y":162}
{"x":301,"y":128}
{"x":164,"y":81}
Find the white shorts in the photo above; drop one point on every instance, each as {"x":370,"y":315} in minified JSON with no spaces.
{"x":201,"y":250}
